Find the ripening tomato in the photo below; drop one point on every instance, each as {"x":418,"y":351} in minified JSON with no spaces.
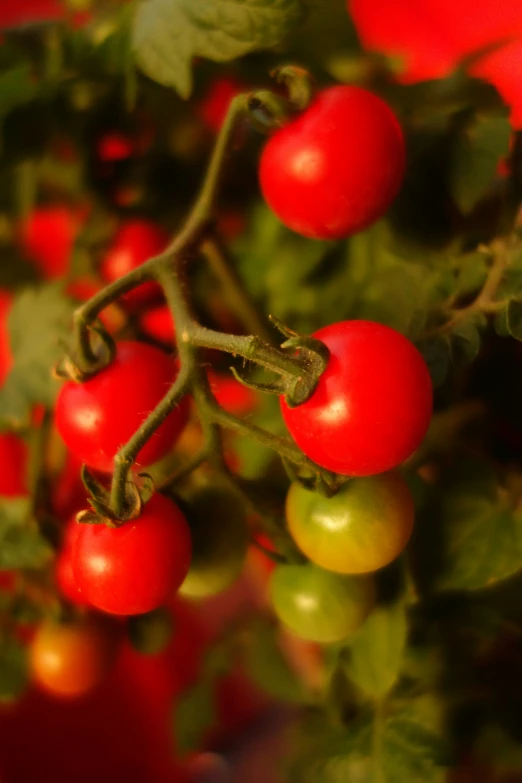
{"x":13,"y":465}
{"x":136,"y":567}
{"x":135,"y":242}
{"x":318,"y":605}
{"x":362,"y":528}
{"x":372,"y":405}
{"x":69,"y":659}
{"x":336,"y":168}
{"x":212,"y":110}
{"x":232,"y":395}
{"x":219,"y":542}
{"x":63,"y":567}
{"x":47,"y":237}
{"x":6,"y":358}
{"x":158,"y":324}
{"x":97,"y":417}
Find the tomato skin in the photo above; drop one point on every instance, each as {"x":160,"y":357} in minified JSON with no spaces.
{"x":219,"y":542}
{"x":97,"y":417}
{"x":337,"y":167}
{"x":70,"y":659}
{"x":47,"y":236}
{"x":158,"y":324}
{"x":63,"y":569}
{"x":318,"y":605}
{"x":14,"y":456}
{"x":232,"y":395}
{"x":362,"y":528}
{"x":6,"y":357}
{"x":372,"y":405}
{"x":136,"y":567}
{"x":135,"y":242}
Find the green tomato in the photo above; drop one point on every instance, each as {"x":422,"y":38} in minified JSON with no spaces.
{"x":318,"y":605}
{"x":219,"y":542}
{"x":362,"y":528}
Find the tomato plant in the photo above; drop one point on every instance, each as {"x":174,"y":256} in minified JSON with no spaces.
{"x":372,"y":405}
{"x":336,"y":168}
{"x":362,"y":528}
{"x":96,"y":417}
{"x":136,"y":567}
{"x":219,"y":542}
{"x":319,"y":605}
{"x":69,"y":659}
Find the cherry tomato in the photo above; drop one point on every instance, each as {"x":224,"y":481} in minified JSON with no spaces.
{"x":47,"y":236}
{"x":213,"y":108}
{"x":158,"y":324}
{"x":135,"y":242}
{"x":115,"y":145}
{"x":336,"y":168}
{"x":6,"y":358}
{"x":136,"y":567}
{"x":232,"y":395}
{"x":362,"y":528}
{"x":318,"y":605}
{"x":63,"y":569}
{"x":13,"y":465}
{"x":372,"y":405}
{"x":97,"y":417}
{"x":70,"y":659}
{"x":219,"y":542}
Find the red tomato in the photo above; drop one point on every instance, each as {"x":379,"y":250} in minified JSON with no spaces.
{"x":47,"y":237}
{"x":136,"y":567}
{"x":30,"y":12}
{"x":97,"y":417}
{"x":337,"y":167}
{"x":213,"y":108}
{"x":372,"y":405}
{"x":13,"y":465}
{"x":157,"y":323}
{"x":115,"y":145}
{"x":6,"y":358}
{"x":63,"y":572}
{"x":232,"y":395}
{"x":135,"y":242}
{"x":433,"y":36}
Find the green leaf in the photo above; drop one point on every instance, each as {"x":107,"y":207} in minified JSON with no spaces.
{"x":168,"y":34}
{"x":21,"y":544}
{"x":476,"y":155}
{"x":436,"y":353}
{"x":377,"y":650}
{"x":266,"y":665}
{"x":17,"y":87}
{"x":13,"y":670}
{"x":466,"y":338}
{"x":39,"y":326}
{"x":500,"y":322}
{"x":514,"y":319}
{"x":194,"y":715}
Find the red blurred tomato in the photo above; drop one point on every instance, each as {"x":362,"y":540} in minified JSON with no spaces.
{"x":213,"y":108}
{"x":158,"y":324}
{"x":232,"y":395}
{"x":135,"y":242}
{"x":6,"y":358}
{"x":13,"y":465}
{"x":47,"y":237}
{"x":433,"y":36}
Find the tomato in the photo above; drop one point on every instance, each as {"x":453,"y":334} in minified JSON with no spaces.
{"x":219,"y":542}
{"x":13,"y":465}
{"x":115,"y":145}
{"x":158,"y":324}
{"x":213,"y":108}
{"x":97,"y":417}
{"x":336,"y":168}
{"x":70,"y":659}
{"x":362,"y":528}
{"x":47,"y":237}
{"x":135,"y":242}
{"x":318,"y":605}
{"x":372,"y":405}
{"x":6,"y":358}
{"x":133,"y":568}
{"x":232,"y":395}
{"x":63,"y":569}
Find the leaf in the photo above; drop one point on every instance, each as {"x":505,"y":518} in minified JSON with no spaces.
{"x":21,"y":544}
{"x":168,"y":34}
{"x":436,"y":353}
{"x":266,"y":665}
{"x":466,"y":338}
{"x":514,"y":319}
{"x":16,"y":88}
{"x":13,"y":670}
{"x":402,"y":745}
{"x":39,"y":326}
{"x":194,"y":715}
{"x":476,"y":155}
{"x":377,"y":650}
